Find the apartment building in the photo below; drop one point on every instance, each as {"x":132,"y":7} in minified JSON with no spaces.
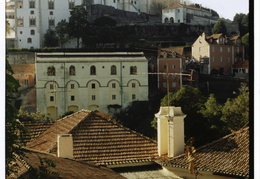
{"x":106,"y":82}
{"x":217,"y":53}
{"x":171,"y":71}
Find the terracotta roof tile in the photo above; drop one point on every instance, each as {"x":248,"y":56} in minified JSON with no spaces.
{"x":228,"y":155}
{"x":97,"y":139}
{"x":35,"y":129}
{"x":65,"y":168}
{"x":48,"y":138}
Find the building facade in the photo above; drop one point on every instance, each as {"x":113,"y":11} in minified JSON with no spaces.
{"x":25,"y":75}
{"x":179,"y":13}
{"x":171,"y":68}
{"x":217,"y":53}
{"x":34,"y":17}
{"x":95,"y":81}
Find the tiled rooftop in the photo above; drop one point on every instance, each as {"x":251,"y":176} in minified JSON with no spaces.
{"x":97,"y":139}
{"x":35,"y":129}
{"x":65,"y":168}
{"x":226,"y":156}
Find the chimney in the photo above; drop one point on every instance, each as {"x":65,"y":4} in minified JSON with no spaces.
{"x":170,"y":131}
{"x":65,"y":146}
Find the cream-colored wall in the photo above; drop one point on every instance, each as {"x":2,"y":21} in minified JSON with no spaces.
{"x":65,"y":146}
{"x":200,"y":48}
{"x":83,"y":82}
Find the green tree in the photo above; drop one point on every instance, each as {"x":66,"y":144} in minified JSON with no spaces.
{"x":219,"y":27}
{"x":212,"y":111}
{"x":62,"y":30}
{"x":245,"y":41}
{"x":189,"y":98}
{"x":50,"y":38}
{"x":243,"y":21}
{"x":78,"y":23}
{"x":236,"y":111}
{"x":13,"y":129}
{"x":105,"y":21}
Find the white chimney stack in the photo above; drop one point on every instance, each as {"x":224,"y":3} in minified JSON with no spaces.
{"x":170,"y":131}
{"x":65,"y":146}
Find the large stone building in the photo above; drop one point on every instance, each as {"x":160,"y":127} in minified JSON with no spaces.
{"x":96,"y":81}
{"x":179,"y":13}
{"x":217,"y":53}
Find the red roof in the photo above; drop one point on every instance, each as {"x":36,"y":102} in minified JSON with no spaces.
{"x":97,"y":139}
{"x":226,"y":156}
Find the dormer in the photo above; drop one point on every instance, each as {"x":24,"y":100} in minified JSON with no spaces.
{"x":164,"y":55}
{"x":174,"y":54}
{"x":220,"y":40}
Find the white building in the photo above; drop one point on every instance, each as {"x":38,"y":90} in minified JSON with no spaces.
{"x":179,"y":13}
{"x":96,"y":81}
{"x":35,"y":17}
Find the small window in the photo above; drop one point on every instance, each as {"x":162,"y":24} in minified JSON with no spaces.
{"x":51,"y":4}
{"x":20,"y":22}
{"x":71,"y":5}
{"x":165,"y":67}
{"x":21,"y":32}
{"x":113,"y":97}
{"x":93,"y":97}
{"x":51,"y":71}
{"x":93,"y":85}
{"x":220,"y":49}
{"x":133,"y":96}
{"x":178,"y":10}
{"x":213,"y":49}
{"x":32,"y":32}
{"x":32,"y":22}
{"x":32,"y":12}
{"x":228,"y":49}
{"x":228,"y":59}
{"x":31,"y":4}
{"x":51,"y":13}
{"x":133,"y":85}
{"x":133,"y":70}
{"x":51,"y":22}
{"x":173,"y":66}
{"x":26,"y":82}
{"x":164,"y":76}
{"x":51,"y":86}
{"x":221,"y":59}
{"x":213,"y":59}
{"x":72,"y":70}
{"x":72,"y":86}
{"x":174,"y":84}
{"x":51,"y":98}
{"x":29,"y":40}
{"x":92,"y":70}
{"x":72,"y":98}
{"x":113,"y":70}
{"x":113,"y":85}
{"x":164,"y":84}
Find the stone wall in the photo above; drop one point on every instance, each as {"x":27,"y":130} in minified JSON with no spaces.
{"x":21,"y":57}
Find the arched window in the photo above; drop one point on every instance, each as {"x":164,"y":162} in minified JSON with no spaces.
{"x":92,"y":70}
{"x":72,"y":70}
{"x":113,"y":70}
{"x":29,"y":40}
{"x":166,"y":20}
{"x":32,"y":32}
{"x":133,"y":70}
{"x":171,"y":20}
{"x":51,"y":71}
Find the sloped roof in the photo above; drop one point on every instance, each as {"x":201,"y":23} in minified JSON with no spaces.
{"x":65,"y":168}
{"x":97,"y":139}
{"x":235,"y":37}
{"x":23,"y":68}
{"x":35,"y":129}
{"x":46,"y":141}
{"x":226,"y":156}
{"x":214,"y":36}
